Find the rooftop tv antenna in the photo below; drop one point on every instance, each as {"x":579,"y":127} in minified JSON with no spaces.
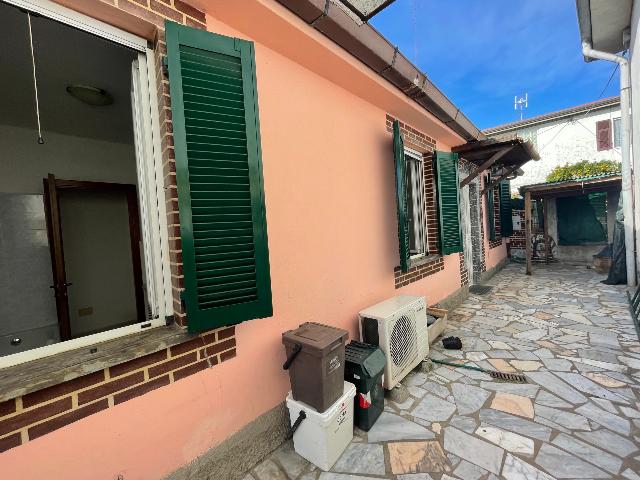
{"x":521,"y":103}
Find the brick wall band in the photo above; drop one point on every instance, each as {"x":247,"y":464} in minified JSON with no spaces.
{"x":496,"y":219}
{"x":35,"y":414}
{"x":427,"y":145}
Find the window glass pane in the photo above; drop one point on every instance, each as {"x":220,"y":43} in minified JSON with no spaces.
{"x":415,"y":206}
{"x":616,"y":132}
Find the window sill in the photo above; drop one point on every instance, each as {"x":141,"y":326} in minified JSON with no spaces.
{"x":417,"y":262}
{"x":19,"y":380}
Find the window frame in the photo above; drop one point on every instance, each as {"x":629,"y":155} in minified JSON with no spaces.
{"x":418,"y":222}
{"x":617,"y":132}
{"x":151,"y":138}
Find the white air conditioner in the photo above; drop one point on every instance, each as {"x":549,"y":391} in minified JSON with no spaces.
{"x":399,"y":327}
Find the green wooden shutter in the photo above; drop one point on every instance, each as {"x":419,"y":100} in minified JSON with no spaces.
{"x":491,"y":217}
{"x":219,"y":174}
{"x":446,"y":165}
{"x":506,"y":221}
{"x":401,"y":197}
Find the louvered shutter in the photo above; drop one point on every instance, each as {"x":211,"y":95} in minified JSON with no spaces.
{"x":603,"y":135}
{"x":491,"y":214}
{"x":219,"y":174}
{"x":401,"y":197}
{"x":506,"y":220}
{"x":446,"y":165}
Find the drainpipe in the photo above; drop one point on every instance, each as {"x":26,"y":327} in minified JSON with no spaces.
{"x":625,"y":148}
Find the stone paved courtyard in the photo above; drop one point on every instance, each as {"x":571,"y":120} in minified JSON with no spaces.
{"x":578,"y":417}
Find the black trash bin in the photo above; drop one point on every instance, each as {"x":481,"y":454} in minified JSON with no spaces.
{"x":364,"y":366}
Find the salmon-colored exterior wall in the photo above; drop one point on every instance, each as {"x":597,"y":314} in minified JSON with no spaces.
{"x":330,"y":203}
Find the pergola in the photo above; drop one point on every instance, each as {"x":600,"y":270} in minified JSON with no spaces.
{"x":505,"y":157}
{"x":545,"y":191}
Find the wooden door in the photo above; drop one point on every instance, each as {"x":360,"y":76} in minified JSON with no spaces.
{"x":54,"y":232}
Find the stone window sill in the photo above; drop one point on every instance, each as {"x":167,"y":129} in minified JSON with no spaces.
{"x":19,"y":380}
{"x":424,"y":260}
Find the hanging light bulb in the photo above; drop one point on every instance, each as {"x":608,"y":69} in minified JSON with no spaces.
{"x":35,"y":81}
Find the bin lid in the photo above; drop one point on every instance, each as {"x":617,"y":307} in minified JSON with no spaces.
{"x":315,"y":337}
{"x":370,"y":357}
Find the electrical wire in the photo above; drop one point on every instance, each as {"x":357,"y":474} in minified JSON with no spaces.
{"x":35,"y":81}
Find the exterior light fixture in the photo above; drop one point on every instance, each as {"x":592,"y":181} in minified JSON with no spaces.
{"x":95,"y":96}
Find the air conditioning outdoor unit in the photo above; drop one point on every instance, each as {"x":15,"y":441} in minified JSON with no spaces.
{"x":399,"y":327}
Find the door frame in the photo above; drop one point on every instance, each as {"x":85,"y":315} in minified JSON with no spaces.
{"x":53,"y":216}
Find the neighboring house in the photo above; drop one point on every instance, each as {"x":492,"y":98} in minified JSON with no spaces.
{"x":585,"y":132}
{"x":210,"y":175}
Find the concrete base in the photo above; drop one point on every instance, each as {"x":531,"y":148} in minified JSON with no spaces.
{"x":455,"y":299}
{"x":486,"y":276}
{"x":240,"y":452}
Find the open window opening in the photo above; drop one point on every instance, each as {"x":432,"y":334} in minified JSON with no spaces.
{"x":82,"y":241}
{"x":415,"y":204}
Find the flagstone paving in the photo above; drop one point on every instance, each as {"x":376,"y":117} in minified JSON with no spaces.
{"x":578,"y":417}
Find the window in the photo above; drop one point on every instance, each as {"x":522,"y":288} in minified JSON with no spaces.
{"x":415,"y":203}
{"x":603,"y":135}
{"x":491,"y":215}
{"x":223,"y":224}
{"x":617,"y":141}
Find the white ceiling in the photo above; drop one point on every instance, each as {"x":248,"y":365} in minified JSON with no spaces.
{"x":64,"y":56}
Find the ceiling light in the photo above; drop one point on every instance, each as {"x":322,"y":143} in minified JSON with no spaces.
{"x":90,"y":95}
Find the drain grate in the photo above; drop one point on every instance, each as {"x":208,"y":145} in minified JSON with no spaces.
{"x":480,"y":289}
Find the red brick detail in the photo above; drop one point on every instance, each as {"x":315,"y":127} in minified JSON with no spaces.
{"x":419,"y":272}
{"x":191,"y":369}
{"x":220,"y":347}
{"x":187,"y":346}
{"x":227,"y":355}
{"x":16,"y":422}
{"x":141,"y":389}
{"x":61,"y":389}
{"x":9,"y":442}
{"x":496,"y":219}
{"x":189,"y":10}
{"x":226,"y":333}
{"x":73,"y":416}
{"x":173,"y":364}
{"x":7,"y":408}
{"x":110,"y":387}
{"x":138,"y":363}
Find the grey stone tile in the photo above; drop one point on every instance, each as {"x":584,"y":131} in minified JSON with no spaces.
{"x":587,"y":452}
{"x":604,"y":418}
{"x":564,"y":418}
{"x":565,"y":465}
{"x":550,"y":424}
{"x":471,"y":449}
{"x":415,"y":476}
{"x":590,"y":387}
{"x":630,"y":474}
{"x":516,"y":469}
{"x":515,"y":424}
{"x":434,"y":409}
{"x":610,"y":441}
{"x":469,"y":471}
{"x":342,"y":476}
{"x":522,"y":389}
{"x":501,"y":354}
{"x":558,"y":387}
{"x":606,"y":405}
{"x":292,"y":463}
{"x":550,"y":400}
{"x":466,"y":424}
{"x":469,"y":399}
{"x":393,"y":427}
{"x":557,"y":364}
{"x":361,"y":458}
{"x":268,"y":470}
{"x":437,"y":389}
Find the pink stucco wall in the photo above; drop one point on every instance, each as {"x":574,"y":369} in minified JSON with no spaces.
{"x":329,"y":186}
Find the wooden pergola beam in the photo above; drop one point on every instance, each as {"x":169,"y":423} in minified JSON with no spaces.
{"x":500,"y":178}
{"x":527,"y":230}
{"x":493,"y":159}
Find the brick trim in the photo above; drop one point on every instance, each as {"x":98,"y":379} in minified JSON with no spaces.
{"x":497,"y":219}
{"x":427,"y":146}
{"x":31,"y":416}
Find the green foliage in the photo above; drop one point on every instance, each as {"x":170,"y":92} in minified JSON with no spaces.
{"x":584,"y":169}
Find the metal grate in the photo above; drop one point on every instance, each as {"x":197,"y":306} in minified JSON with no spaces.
{"x":480,"y":289}
{"x":403,"y":342}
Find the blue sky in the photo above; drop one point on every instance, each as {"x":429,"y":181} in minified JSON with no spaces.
{"x":481,"y":53}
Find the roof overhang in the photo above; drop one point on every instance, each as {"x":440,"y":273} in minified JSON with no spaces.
{"x":370,"y":47}
{"x":503,"y":157}
{"x":366,"y":9}
{"x":603,"y":23}
{"x":573,"y":187}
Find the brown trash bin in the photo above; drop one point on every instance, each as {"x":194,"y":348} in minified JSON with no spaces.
{"x":315,"y":360}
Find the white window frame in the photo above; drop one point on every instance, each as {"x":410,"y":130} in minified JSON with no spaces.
{"x":149,"y":176}
{"x":415,"y":159}
{"x":616,"y":122}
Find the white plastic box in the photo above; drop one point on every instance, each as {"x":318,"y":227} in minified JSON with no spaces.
{"x":322,"y":437}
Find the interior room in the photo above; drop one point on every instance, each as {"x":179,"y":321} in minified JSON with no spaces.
{"x":70,"y":250}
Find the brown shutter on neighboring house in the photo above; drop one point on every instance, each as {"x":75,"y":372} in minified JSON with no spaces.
{"x":603,"y":135}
